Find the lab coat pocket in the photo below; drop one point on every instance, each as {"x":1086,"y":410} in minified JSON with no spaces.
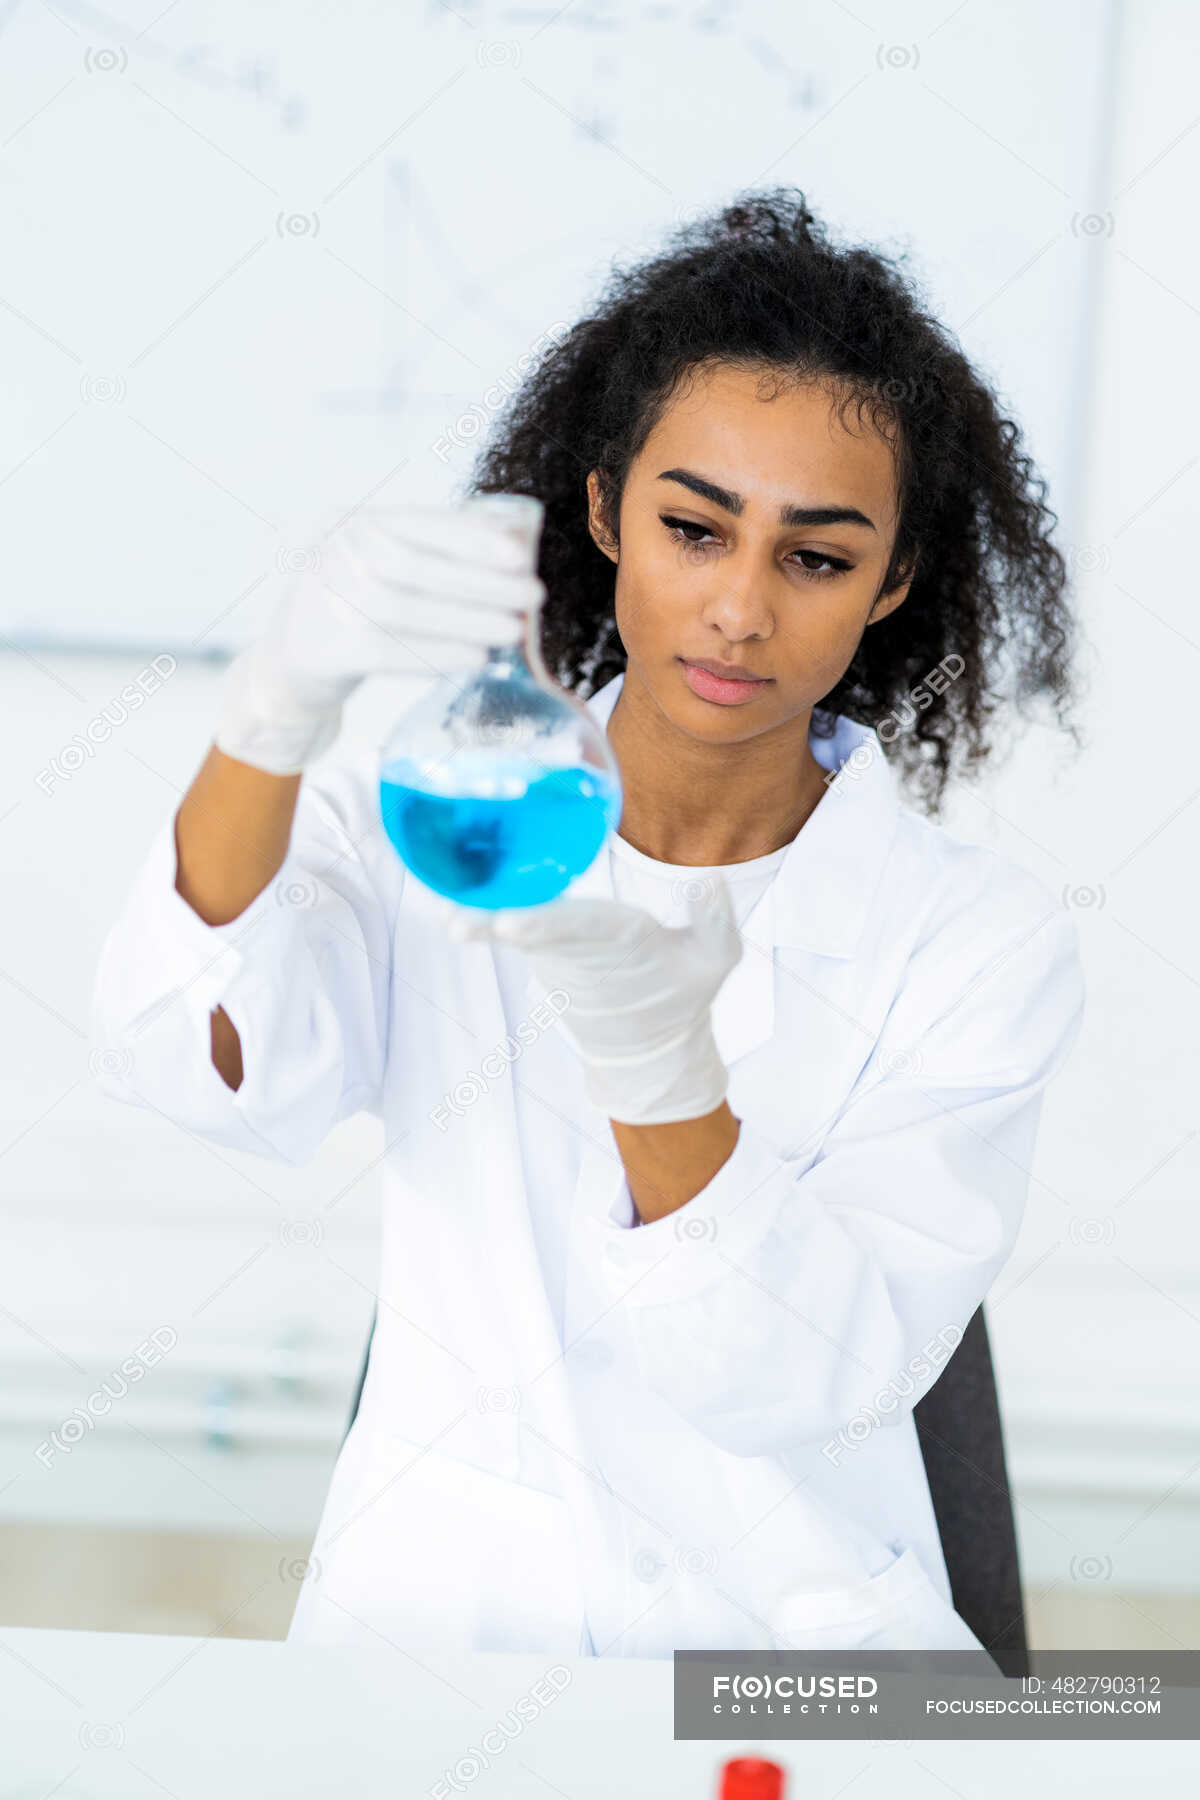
{"x":897,"y":1609}
{"x":447,"y":1554}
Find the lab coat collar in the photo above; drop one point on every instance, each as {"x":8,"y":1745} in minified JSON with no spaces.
{"x":824,"y":887}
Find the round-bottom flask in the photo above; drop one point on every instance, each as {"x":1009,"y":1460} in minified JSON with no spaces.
{"x":498,"y":788}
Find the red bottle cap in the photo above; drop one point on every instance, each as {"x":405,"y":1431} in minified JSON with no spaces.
{"x":750,"y":1778}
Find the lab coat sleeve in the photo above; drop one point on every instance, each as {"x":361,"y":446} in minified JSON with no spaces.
{"x":800,"y":1299}
{"x":303,"y":973}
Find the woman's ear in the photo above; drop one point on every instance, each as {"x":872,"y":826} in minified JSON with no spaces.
{"x":887,"y":603}
{"x":602,"y":537}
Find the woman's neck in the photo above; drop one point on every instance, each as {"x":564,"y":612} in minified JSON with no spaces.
{"x":705,"y":804}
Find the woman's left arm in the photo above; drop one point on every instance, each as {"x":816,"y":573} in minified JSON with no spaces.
{"x":666,"y":1165}
{"x":776,"y":1299}
{"x":804,"y":1298}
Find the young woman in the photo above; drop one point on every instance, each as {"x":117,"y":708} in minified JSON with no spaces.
{"x":695,"y":1176}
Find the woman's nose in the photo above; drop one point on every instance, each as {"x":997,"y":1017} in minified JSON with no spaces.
{"x":737,"y":600}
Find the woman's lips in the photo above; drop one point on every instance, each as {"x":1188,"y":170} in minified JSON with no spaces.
{"x":726,"y":690}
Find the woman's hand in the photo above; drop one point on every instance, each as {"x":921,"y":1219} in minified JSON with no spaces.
{"x":408,"y":589}
{"x":640,"y":995}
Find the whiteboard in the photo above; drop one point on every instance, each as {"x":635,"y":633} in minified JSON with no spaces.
{"x":267,"y":261}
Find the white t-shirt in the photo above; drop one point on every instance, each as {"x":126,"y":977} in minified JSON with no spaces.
{"x":663,"y":887}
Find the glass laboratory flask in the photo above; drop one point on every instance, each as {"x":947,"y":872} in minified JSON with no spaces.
{"x":498,"y":787}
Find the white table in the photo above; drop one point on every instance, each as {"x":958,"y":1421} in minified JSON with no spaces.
{"x":101,"y":1715}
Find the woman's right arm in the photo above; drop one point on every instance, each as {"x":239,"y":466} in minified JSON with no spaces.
{"x":264,"y":1028}
{"x":231,"y":838}
{"x":243,"y":991}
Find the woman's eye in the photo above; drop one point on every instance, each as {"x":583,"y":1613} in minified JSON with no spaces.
{"x":675,"y":526}
{"x":834,"y":565}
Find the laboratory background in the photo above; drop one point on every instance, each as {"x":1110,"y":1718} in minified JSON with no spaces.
{"x":265,"y":263}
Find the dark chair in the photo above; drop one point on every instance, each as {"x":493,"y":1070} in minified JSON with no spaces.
{"x":958,"y":1428}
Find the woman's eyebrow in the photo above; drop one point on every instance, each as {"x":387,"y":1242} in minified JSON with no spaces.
{"x":788,"y":515}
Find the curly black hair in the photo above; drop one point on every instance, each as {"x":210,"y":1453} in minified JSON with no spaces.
{"x":759,"y":284}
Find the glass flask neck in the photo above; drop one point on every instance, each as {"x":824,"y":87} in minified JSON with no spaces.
{"x":499,"y":654}
{"x":524,"y":657}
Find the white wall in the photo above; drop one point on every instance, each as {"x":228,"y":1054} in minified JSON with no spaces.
{"x":259,"y":263}
{"x":1096,"y":1319}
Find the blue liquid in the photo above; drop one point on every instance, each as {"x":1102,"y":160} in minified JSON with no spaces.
{"x":514,"y":851}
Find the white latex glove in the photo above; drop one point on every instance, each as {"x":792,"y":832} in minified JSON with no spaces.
{"x":641,"y":995}
{"x":406,"y":589}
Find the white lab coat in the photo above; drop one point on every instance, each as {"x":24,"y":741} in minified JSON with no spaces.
{"x":719,"y":1451}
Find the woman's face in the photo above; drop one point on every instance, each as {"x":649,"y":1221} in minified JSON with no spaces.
{"x":717,"y":565}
